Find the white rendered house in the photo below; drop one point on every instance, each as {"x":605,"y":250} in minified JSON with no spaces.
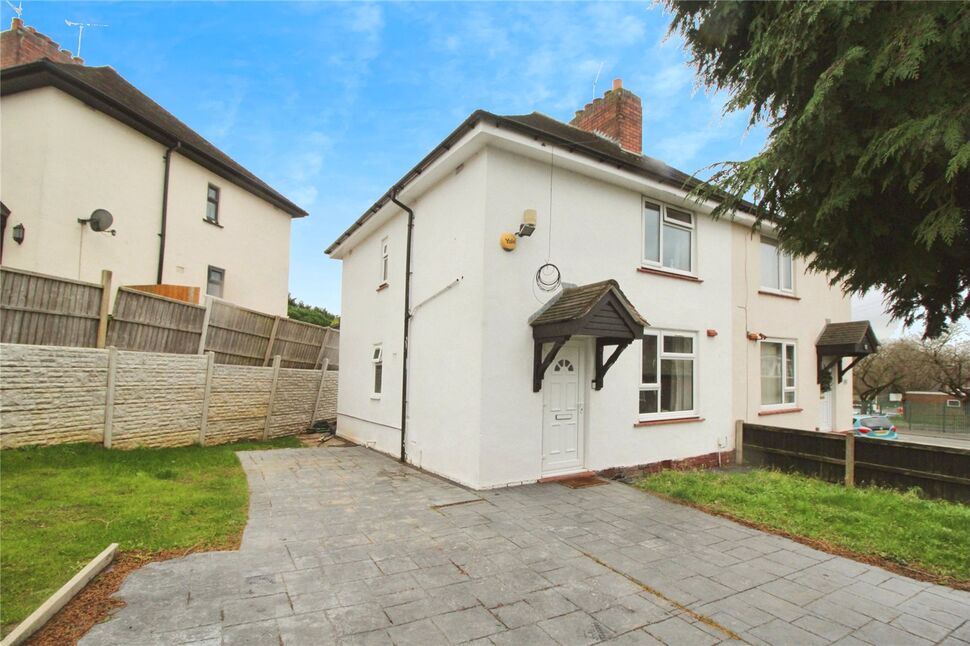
{"x":668,"y":325}
{"x":77,"y":138}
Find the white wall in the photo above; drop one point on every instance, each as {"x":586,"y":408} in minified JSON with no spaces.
{"x":62,"y":159}
{"x":445,"y":356}
{"x":800,"y":319}
{"x":370,"y":317}
{"x":252,"y":245}
{"x":596,"y":232}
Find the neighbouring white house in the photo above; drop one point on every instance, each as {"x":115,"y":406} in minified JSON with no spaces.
{"x":76,"y":139}
{"x":462,"y":354}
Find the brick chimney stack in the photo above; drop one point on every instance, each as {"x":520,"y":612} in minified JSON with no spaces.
{"x":618,"y":116}
{"x":20,"y":45}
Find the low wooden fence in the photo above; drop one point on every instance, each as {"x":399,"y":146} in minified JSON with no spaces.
{"x":940,"y":472}
{"x":37,"y":309}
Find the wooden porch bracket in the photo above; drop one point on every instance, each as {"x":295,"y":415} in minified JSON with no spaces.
{"x":540,"y":364}
{"x":601,"y":366}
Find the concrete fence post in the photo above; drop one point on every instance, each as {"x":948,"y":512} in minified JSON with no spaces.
{"x":104,"y":310}
{"x":739,"y":442}
{"x":204,"y":334}
{"x":850,"y":459}
{"x":272,"y":396}
{"x":323,"y":381}
{"x":109,"y":397}
{"x":210,"y":366}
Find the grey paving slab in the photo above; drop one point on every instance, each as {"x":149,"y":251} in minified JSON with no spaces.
{"x":346,"y":546}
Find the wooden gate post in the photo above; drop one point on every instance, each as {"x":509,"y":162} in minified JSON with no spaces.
{"x":104,"y":311}
{"x":739,"y":442}
{"x":272,"y":396}
{"x":210,"y":366}
{"x":850,"y":459}
{"x":109,"y":396}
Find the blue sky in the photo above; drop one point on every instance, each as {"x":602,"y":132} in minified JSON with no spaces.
{"x":332,"y":102}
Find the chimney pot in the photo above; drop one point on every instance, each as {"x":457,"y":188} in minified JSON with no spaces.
{"x":617,"y":84}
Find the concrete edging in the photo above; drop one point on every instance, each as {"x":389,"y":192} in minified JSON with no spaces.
{"x":59,"y":599}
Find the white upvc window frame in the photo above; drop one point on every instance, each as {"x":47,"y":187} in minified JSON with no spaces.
{"x":780,"y":257}
{"x":666,"y":220}
{"x":377,"y":374}
{"x":786,"y":357}
{"x":385,"y":269}
{"x":656,"y":385}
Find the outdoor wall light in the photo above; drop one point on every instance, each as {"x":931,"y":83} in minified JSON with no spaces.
{"x":18,"y":234}
{"x":528,"y":226}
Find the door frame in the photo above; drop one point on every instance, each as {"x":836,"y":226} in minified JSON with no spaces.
{"x":833,"y":395}
{"x":583,"y":353}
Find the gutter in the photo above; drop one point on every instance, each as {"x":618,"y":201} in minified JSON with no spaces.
{"x":161,"y":236}
{"x":407,"y":325}
{"x":687,"y":184}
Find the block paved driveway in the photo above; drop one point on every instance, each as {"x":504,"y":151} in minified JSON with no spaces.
{"x":345,"y":545}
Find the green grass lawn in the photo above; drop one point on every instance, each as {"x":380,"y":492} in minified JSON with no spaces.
{"x":62,"y":505}
{"x":931,"y":535}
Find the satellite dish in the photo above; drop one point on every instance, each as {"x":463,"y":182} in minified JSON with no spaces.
{"x":100,"y":220}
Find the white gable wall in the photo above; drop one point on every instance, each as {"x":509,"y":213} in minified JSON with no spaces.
{"x":445,"y":362}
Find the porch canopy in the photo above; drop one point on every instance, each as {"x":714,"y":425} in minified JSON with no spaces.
{"x":598,"y":310}
{"x":853,"y":339}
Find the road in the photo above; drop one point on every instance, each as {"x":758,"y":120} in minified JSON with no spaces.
{"x":936,"y":440}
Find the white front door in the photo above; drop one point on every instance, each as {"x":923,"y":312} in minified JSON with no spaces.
{"x":826,"y":407}
{"x":562,"y":412}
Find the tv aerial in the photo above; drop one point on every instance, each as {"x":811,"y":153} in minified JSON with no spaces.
{"x":17,"y":9}
{"x":80,"y":30}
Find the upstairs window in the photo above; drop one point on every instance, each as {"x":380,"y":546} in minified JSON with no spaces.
{"x":776,"y":267}
{"x":215,"y":282}
{"x":385,"y":254}
{"x":212,"y":204}
{"x":667,"y":375}
{"x":668,"y":237}
{"x":778,"y":375}
{"x":378,"y":360}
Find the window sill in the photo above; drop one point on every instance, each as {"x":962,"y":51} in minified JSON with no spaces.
{"x":768,"y":292}
{"x":669,"y":274}
{"x":215,"y":224}
{"x":675,"y":420}
{"x":780,"y":411}
{"x":375,"y":397}
{"x":382,"y":287}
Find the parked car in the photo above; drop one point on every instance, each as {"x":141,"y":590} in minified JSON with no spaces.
{"x":877,"y":426}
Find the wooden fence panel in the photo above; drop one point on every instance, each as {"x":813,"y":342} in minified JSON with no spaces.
{"x":816,"y":454}
{"x":238,"y":336}
{"x":36,"y":309}
{"x":298,"y":343}
{"x":151,"y":323}
{"x":44,"y":310}
{"x":941,"y":472}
